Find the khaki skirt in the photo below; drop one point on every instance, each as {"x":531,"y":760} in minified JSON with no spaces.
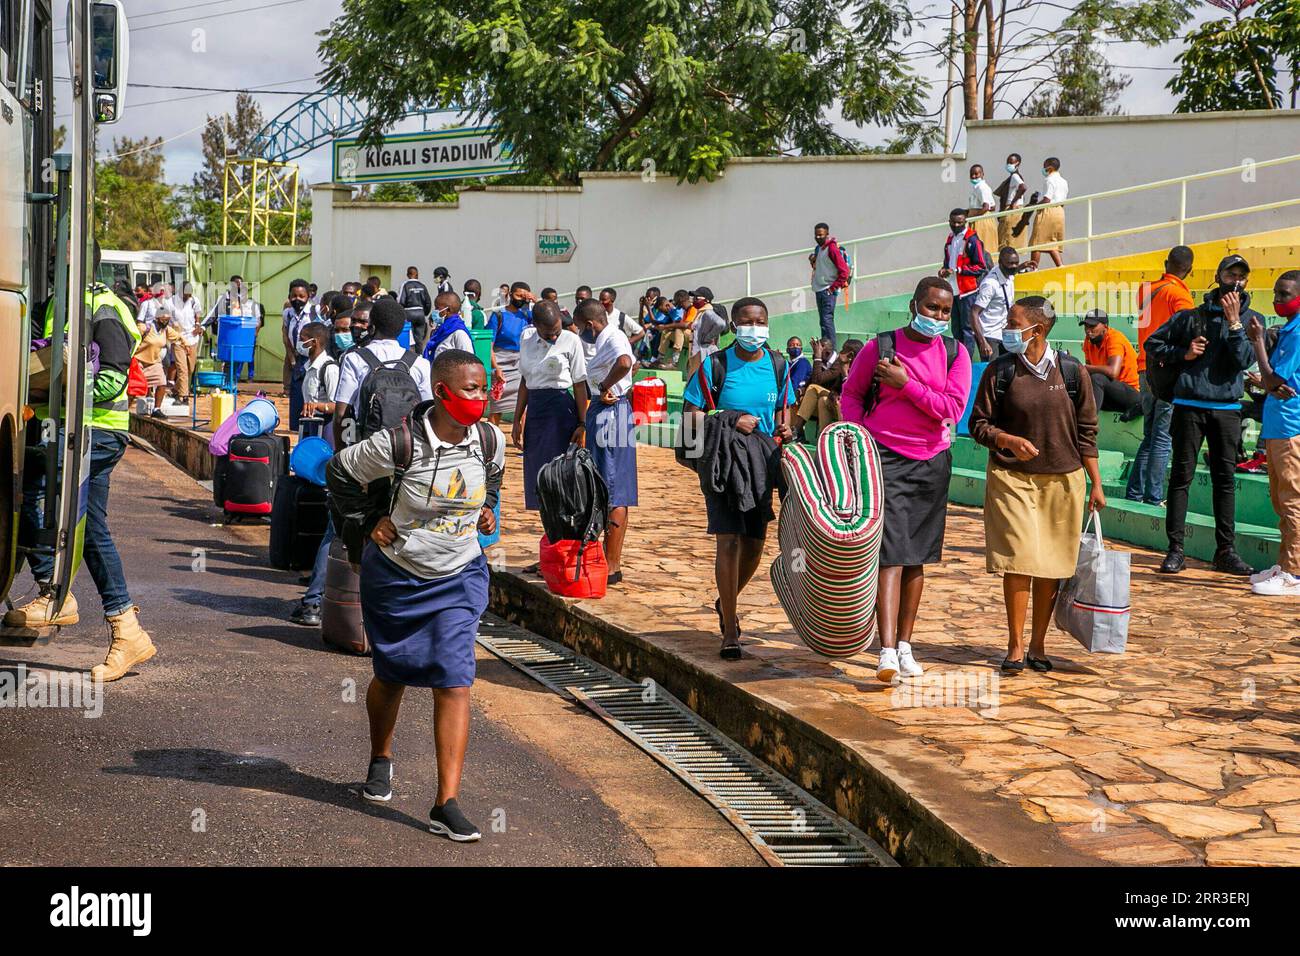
{"x":1032,"y":523}
{"x":1049,"y":227}
{"x":987,"y":230}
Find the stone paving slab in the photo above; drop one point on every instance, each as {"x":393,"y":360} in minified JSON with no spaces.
{"x":1183,"y":751}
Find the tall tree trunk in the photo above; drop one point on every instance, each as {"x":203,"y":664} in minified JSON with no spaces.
{"x":993,"y":45}
{"x":970,"y":58}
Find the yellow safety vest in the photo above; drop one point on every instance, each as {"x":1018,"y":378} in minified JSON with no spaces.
{"x":114,"y":413}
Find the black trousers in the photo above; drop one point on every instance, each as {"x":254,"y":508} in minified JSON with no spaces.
{"x":1220,"y":431}
{"x":1113,"y":395}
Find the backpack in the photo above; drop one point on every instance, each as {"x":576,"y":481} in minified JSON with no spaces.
{"x":848,"y":260}
{"x":712,"y":390}
{"x":573,"y":499}
{"x":886,"y":349}
{"x":1071,"y":371}
{"x":387,"y":393}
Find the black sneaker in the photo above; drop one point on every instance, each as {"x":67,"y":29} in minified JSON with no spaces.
{"x":308,"y":615}
{"x":378,"y":787}
{"x":1230,"y":562}
{"x":448,"y":821}
{"x":1174,"y":562}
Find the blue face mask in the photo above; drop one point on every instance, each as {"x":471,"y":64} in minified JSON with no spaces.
{"x":751,"y":338}
{"x":929,"y":327}
{"x":343,"y":340}
{"x":794,"y":353}
{"x":1014,"y":342}
{"x":1010,"y":167}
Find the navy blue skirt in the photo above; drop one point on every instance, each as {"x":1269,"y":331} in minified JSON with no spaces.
{"x":611,"y":439}
{"x":551,"y":419}
{"x":422,"y":630}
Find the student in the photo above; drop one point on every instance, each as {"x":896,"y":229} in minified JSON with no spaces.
{"x":451,"y":332}
{"x":830,"y":274}
{"x":1157,"y":303}
{"x":298,"y":313}
{"x":992,"y":302}
{"x":387,"y":319}
{"x":443,"y":278}
{"x":1111,"y":362}
{"x":965,"y":262}
{"x":156,"y":337}
{"x":424,"y":580}
{"x":982,"y":201}
{"x":750,"y":385}
{"x":1280,"y":371}
{"x":547,"y":418}
{"x":507,"y":325}
{"x":1049,"y":221}
{"x":800,"y":367}
{"x":413,"y":296}
{"x":1034,"y":411}
{"x":1210,"y":353}
{"x":906,"y":404}
{"x":706,"y":328}
{"x":821,"y":396}
{"x":1010,"y":195}
{"x":610,"y":428}
{"x":675,"y":334}
{"x":473,"y":291}
{"x":621,"y":320}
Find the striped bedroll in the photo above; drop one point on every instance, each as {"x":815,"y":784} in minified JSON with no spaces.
{"x":832,"y":519}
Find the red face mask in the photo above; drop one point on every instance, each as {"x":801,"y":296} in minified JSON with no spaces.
{"x":1287,"y":309}
{"x":464,"y":410}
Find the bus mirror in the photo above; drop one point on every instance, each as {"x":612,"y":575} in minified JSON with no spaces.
{"x":110,"y":45}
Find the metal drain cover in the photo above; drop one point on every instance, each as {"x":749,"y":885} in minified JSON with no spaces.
{"x":785,"y":824}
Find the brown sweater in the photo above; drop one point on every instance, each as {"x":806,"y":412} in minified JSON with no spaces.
{"x":1063,"y":431}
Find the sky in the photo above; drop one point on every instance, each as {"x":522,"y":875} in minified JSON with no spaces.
{"x":270,"y":45}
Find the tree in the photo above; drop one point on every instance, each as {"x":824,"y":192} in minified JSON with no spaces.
{"x":674,"y":87}
{"x":1232,"y":63}
{"x":133,"y":204}
{"x":1083,"y":84}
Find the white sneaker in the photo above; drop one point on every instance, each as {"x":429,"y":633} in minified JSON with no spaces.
{"x":1272,"y":572}
{"x":907,"y":665}
{"x":1280,"y":585}
{"x":887,"y":669}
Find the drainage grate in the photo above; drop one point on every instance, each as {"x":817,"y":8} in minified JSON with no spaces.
{"x":786,"y":825}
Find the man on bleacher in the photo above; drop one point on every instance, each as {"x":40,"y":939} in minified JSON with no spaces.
{"x":1112,"y":365}
{"x":1208,"y":350}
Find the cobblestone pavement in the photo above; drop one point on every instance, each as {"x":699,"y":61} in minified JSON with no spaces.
{"x":1184,"y":750}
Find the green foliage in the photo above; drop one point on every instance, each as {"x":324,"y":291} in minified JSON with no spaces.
{"x":1232,"y":63}
{"x":673,"y":87}
{"x":133,"y":205}
{"x":1083,"y":84}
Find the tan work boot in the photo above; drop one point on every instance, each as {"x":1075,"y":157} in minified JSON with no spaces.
{"x":131,"y":646}
{"x":36,"y":613}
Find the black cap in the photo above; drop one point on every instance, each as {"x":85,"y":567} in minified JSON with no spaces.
{"x":1232,"y":260}
{"x":441,"y":272}
{"x":1095,"y":317}
{"x":703,"y":292}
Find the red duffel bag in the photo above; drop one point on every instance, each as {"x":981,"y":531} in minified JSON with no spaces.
{"x":137,"y":385}
{"x":573,"y":569}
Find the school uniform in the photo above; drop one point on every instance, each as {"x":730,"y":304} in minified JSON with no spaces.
{"x":995,"y":295}
{"x":1007,"y":235}
{"x":611,"y":430}
{"x":549,"y":370}
{"x":1049,"y":222}
{"x":981,"y":195}
{"x":508,"y":328}
{"x":423,"y":595}
{"x":353,"y":370}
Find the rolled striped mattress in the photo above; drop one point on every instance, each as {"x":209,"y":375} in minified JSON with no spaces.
{"x":832,"y":520}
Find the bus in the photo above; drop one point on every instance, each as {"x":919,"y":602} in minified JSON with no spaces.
{"x":141,"y":267}
{"x":47,"y":255}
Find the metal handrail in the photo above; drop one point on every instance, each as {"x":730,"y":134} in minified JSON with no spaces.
{"x":1181,"y":222}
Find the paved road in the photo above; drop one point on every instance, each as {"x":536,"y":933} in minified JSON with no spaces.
{"x":240,"y":743}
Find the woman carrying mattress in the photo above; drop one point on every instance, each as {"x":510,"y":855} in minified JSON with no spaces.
{"x":907,"y":401}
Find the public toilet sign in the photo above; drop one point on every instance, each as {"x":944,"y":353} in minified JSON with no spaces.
{"x":464,"y":151}
{"x":555,"y":245}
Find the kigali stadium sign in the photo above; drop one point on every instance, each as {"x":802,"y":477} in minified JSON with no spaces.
{"x":458,"y":153}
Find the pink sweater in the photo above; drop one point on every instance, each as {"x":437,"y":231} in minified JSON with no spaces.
{"x":914,"y":420}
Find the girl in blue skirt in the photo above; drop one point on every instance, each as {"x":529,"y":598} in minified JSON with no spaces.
{"x":424,"y":580}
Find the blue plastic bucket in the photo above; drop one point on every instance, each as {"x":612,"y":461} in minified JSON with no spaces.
{"x":236,"y":337}
{"x":405,"y":337}
{"x":309,"y":458}
{"x":257,"y":418}
{"x":208,"y":379}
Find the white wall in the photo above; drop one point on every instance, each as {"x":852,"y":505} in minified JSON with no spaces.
{"x":627,"y":228}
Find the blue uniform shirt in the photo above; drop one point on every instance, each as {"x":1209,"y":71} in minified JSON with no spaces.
{"x":749,"y":387}
{"x":509,"y":328}
{"x":1282,"y":418}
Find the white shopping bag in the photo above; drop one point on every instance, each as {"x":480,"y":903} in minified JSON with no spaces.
{"x":1093,"y":606}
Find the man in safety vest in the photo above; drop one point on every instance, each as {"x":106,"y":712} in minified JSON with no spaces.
{"x":113,"y":329}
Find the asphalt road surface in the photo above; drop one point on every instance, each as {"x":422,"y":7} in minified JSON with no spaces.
{"x":244,"y":741}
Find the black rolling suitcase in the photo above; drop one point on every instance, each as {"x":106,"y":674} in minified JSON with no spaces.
{"x":299,"y":516}
{"x":253,"y":467}
{"x":219,"y":479}
{"x":340,"y":611}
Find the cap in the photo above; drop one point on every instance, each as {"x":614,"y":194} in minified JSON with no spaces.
{"x":1095,"y":317}
{"x":441,"y":272}
{"x":1233,"y":260}
{"x":703,"y":292}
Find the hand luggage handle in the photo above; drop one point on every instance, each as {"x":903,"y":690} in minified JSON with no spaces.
{"x":1094,"y":522}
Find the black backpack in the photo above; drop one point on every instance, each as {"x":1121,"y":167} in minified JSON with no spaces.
{"x":886,"y":346}
{"x":387,"y":394}
{"x":573,"y":498}
{"x":1004,"y":367}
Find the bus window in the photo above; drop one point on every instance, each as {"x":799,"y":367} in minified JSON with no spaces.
{"x":178,"y":277}
{"x":141,"y":280}
{"x":155,"y":278}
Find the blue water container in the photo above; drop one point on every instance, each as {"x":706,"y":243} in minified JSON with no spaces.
{"x":236,"y":338}
{"x":309,"y":458}
{"x":257,"y":418}
{"x":487,"y":540}
{"x":404,"y":338}
{"x":976,"y":373}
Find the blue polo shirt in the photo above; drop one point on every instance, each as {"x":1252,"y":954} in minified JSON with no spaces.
{"x":749,"y":387}
{"x":509,"y":328}
{"x":1282,"y":418}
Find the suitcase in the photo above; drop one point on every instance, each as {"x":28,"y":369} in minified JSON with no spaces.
{"x":253,"y":466}
{"x":299,"y":516}
{"x":340,"y":610}
{"x":219,"y":464}
{"x":312,"y":427}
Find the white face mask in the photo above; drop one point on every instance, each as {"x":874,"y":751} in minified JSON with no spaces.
{"x":751,"y":337}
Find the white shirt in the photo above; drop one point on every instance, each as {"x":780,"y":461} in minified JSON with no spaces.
{"x":148,"y":309}
{"x":185,"y":313}
{"x":995,"y":295}
{"x":555,"y":364}
{"x":624,"y":323}
{"x":1044,"y":365}
{"x":459,"y":339}
{"x":321,"y":379}
{"x":981,"y":195}
{"x":610,"y":345}
{"x":1055,"y":188}
{"x":956,"y":243}
{"x":1016,"y":182}
{"x":353,"y":370}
